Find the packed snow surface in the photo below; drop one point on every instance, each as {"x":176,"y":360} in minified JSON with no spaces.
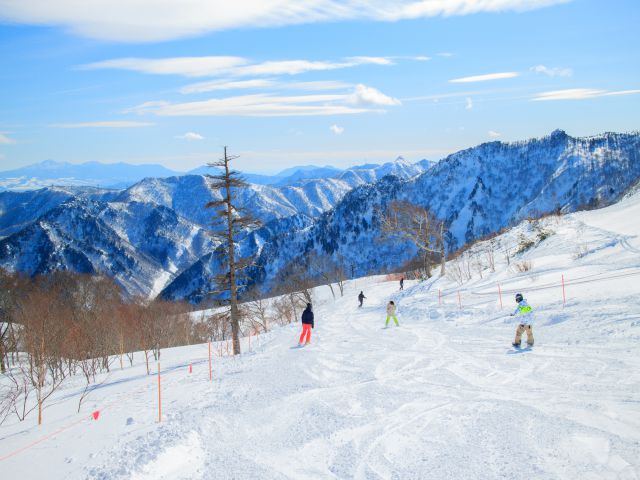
{"x":443,"y":396}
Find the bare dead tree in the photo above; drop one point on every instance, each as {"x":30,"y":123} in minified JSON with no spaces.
{"x":410,"y":222}
{"x":228,"y":223}
{"x":340,"y":273}
{"x":297,"y":281}
{"x":490,"y":254}
{"x":322,"y":267}
{"x":257,"y":309}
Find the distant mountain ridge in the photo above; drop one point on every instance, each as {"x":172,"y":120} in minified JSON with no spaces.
{"x":123,"y":175}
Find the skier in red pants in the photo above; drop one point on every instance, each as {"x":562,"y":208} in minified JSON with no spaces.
{"x":307,"y":325}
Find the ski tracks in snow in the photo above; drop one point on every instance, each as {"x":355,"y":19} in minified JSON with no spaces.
{"x":431,"y":399}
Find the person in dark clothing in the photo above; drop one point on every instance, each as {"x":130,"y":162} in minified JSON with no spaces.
{"x":361,"y":297}
{"x":401,"y":283}
{"x":307,"y":325}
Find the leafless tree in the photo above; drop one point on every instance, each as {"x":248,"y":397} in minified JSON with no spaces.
{"x":257,"y":311}
{"x":413,"y":223}
{"x":228,"y":223}
{"x":297,"y":281}
{"x":490,"y":254}
{"x":322,"y":267}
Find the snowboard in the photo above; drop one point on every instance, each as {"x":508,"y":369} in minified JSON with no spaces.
{"x":520,"y":349}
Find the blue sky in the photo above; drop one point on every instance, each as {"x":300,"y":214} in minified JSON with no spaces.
{"x":307,"y":81}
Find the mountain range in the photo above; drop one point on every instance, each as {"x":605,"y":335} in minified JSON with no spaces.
{"x":123,"y":175}
{"x":152,"y":236}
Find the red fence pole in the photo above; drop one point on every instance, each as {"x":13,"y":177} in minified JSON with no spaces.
{"x":500,"y":295}
{"x":159,"y":397}
{"x":564,"y":298}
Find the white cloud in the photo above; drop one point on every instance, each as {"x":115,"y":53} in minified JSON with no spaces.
{"x":150,"y":20}
{"x":485,"y":78}
{"x":580,"y":94}
{"x":190,"y":136}
{"x":259,"y":105}
{"x":265,"y":105}
{"x":5,"y":139}
{"x":185,"y":66}
{"x":372,"y":60}
{"x":217,"y":85}
{"x":336,"y":129}
{"x":493,"y":134}
{"x":108,"y":124}
{"x":226,"y":85}
{"x":552,"y":72}
{"x":468,"y":103}
{"x":364,"y":95}
{"x":213,"y":66}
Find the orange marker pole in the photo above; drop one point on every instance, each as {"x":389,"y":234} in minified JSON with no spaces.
{"x":159,"y":397}
{"x":500,"y":295}
{"x":439,"y":297}
{"x":459,"y":301}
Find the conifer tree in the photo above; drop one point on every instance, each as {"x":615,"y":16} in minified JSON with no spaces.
{"x":228,"y":223}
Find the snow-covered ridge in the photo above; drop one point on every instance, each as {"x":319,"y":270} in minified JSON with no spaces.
{"x":477,"y":191}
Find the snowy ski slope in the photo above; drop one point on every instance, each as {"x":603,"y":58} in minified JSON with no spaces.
{"x":444,"y":396}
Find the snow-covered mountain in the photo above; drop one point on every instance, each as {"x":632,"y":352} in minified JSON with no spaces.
{"x":146,"y":234}
{"x":478,"y":191}
{"x":152,"y":236}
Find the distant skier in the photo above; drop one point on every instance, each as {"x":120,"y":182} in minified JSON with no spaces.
{"x":307,"y":325}
{"x":391,"y":313}
{"x":525,"y":313}
{"x":361,"y":297}
{"x":401,"y":283}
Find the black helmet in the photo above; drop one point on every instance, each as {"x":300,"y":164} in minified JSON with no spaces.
{"x":519,"y":297}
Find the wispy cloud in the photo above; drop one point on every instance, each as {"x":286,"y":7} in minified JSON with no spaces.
{"x":371,"y":60}
{"x":485,"y":78}
{"x":580,"y":94}
{"x":150,"y":20}
{"x":190,"y":136}
{"x":468,"y":103}
{"x":364,"y":95}
{"x":185,"y":66}
{"x":217,"y":85}
{"x":6,"y":139}
{"x":336,"y":129}
{"x":361,"y":100}
{"x":203,"y":87}
{"x":254,"y":106}
{"x":493,"y":134}
{"x":215,"y":66}
{"x":107,"y":124}
{"x":552,"y":72}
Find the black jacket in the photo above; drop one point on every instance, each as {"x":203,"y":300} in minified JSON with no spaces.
{"x":307,"y":317}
